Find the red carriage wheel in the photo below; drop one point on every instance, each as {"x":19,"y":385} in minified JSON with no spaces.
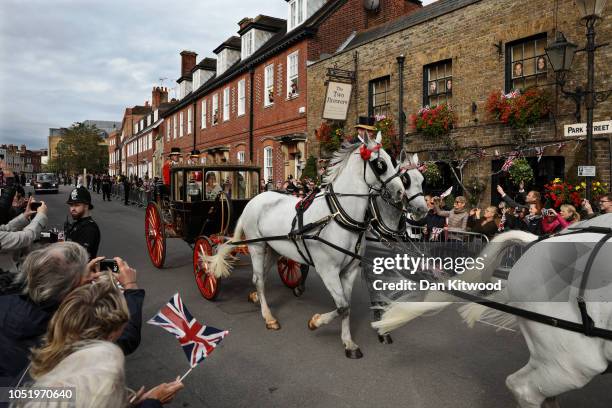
{"x":289,"y":272}
{"x":155,"y":235}
{"x":207,"y":283}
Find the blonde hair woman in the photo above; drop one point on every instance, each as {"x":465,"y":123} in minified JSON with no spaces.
{"x":486,"y":225}
{"x":555,"y":222}
{"x":78,"y":350}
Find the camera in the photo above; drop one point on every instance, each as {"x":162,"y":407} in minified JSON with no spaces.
{"x":109,"y":264}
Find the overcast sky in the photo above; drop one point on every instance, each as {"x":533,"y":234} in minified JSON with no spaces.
{"x":64,"y":61}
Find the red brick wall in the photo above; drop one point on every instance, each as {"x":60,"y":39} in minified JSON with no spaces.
{"x":352,"y":16}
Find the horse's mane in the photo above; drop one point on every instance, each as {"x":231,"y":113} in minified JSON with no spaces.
{"x":338,"y":161}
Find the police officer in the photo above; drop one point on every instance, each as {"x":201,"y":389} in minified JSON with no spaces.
{"x":84,"y":230}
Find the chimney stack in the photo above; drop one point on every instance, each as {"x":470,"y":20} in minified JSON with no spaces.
{"x":188,"y":61}
{"x":243,"y":23}
{"x":159,"y":96}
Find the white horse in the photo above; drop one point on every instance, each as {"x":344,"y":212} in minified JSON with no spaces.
{"x":356,"y":172}
{"x":545,"y":280}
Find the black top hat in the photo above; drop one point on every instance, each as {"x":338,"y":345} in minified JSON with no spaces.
{"x":80,"y":195}
{"x":366,"y":122}
{"x":175,"y":150}
{"x":195,"y":153}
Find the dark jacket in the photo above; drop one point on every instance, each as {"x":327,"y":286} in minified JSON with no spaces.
{"x":516,"y":204}
{"x":23,"y":324}
{"x":532,"y":224}
{"x":489,"y":229}
{"x":430,"y":220}
{"x":85,"y":231}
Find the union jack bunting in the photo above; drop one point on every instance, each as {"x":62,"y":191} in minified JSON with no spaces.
{"x":509,"y":161}
{"x":197,"y":340}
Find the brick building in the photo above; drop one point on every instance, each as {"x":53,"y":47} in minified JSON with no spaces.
{"x":249,"y":104}
{"x":19,"y":159}
{"x":130,"y":126}
{"x":473,"y":46}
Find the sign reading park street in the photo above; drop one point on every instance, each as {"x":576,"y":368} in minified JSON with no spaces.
{"x":580,"y":129}
{"x":337,"y":100}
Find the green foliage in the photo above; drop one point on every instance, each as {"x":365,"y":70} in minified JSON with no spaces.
{"x":432,"y":173}
{"x":520,"y":171}
{"x":81,"y":147}
{"x":310,"y":170}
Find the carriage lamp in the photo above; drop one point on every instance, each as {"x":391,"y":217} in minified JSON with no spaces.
{"x":561,"y":55}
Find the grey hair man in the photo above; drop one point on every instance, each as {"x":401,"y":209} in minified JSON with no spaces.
{"x":48,"y":275}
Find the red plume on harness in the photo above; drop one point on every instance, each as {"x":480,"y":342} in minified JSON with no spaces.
{"x":367,"y":153}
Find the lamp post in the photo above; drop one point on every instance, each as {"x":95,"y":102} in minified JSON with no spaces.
{"x":561,"y":54}
{"x":400,"y":104}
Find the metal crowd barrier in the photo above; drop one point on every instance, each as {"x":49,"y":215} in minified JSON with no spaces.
{"x":138,"y":196}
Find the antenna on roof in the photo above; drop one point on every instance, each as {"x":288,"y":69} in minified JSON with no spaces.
{"x":161,"y":81}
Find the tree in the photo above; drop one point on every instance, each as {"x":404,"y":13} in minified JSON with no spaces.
{"x":81,"y":147}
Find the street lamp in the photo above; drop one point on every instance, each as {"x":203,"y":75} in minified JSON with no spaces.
{"x":561,"y":54}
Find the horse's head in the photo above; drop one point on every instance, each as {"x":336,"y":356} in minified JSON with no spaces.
{"x":380,"y":174}
{"x":412,"y":179}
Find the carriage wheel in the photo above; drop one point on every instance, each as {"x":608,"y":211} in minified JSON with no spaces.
{"x":289,"y":271}
{"x":155,"y":235}
{"x":207,"y":283}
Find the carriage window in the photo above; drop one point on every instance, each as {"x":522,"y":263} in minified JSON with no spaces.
{"x":213,"y":188}
{"x":240,"y":185}
{"x":194,"y":186}
{"x":178,"y":193}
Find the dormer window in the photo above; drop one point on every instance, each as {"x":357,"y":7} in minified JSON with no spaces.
{"x":248,"y":44}
{"x":297,"y":13}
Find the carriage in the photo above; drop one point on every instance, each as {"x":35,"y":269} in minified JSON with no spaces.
{"x":201,"y":206}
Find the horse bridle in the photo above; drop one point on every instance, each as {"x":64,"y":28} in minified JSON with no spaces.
{"x":406,"y":181}
{"x":378,"y":167}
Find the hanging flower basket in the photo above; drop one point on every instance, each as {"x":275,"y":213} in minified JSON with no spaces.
{"x":474,"y":188}
{"x":432,"y":174}
{"x":434,"y":121}
{"x":520,"y":171}
{"x":329,"y":138}
{"x":519,"y":109}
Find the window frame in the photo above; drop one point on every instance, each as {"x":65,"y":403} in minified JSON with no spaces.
{"x":240,"y":157}
{"x":268,"y":86}
{"x":371,"y":95}
{"x":181,"y":124}
{"x":226,"y":103}
{"x":268,"y":158}
{"x":241,"y":97}
{"x":291,"y":76}
{"x":426,"y":81}
{"x":189,"y":120}
{"x":509,"y":63}
{"x":215,"y":107}
{"x":248,"y":43}
{"x":203,"y":114}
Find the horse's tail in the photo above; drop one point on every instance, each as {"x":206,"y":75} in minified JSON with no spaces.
{"x":473,"y":312}
{"x":400,"y":313}
{"x":221,"y":263}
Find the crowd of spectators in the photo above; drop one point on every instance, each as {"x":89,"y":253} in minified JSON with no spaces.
{"x":297,"y":187}
{"x":64,"y":322}
{"x":526,"y":212}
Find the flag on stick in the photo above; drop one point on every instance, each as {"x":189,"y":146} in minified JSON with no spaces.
{"x":197,"y":340}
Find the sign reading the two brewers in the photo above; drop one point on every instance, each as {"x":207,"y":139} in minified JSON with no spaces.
{"x":337,"y":100}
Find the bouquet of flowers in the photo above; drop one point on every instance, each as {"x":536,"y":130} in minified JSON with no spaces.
{"x":435,"y":120}
{"x":519,"y":109}
{"x":559,"y":192}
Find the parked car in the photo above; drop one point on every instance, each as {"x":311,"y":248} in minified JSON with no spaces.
{"x":46,"y":182}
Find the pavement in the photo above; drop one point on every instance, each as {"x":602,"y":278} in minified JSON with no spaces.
{"x":434,"y":362}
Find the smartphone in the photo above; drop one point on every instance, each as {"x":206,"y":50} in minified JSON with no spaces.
{"x":109,"y":264}
{"x":34,"y":205}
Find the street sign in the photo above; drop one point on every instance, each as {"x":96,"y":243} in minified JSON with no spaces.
{"x":579,"y":129}
{"x":586,"y":171}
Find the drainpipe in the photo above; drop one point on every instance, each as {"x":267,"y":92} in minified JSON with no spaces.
{"x":251,"y":111}
{"x":400,"y":104}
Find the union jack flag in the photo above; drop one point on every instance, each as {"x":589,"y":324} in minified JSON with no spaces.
{"x":509,"y":161}
{"x":197,"y":340}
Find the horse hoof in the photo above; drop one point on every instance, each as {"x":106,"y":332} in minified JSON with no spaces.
{"x":298,"y":291}
{"x":273,"y":325}
{"x":353,"y":354}
{"x":253,"y":298}
{"x":385,"y":339}
{"x":311,"y":323}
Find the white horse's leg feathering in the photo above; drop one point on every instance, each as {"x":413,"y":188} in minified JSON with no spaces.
{"x":221,"y":263}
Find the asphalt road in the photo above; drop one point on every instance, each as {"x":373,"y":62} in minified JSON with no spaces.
{"x":434,"y":362}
